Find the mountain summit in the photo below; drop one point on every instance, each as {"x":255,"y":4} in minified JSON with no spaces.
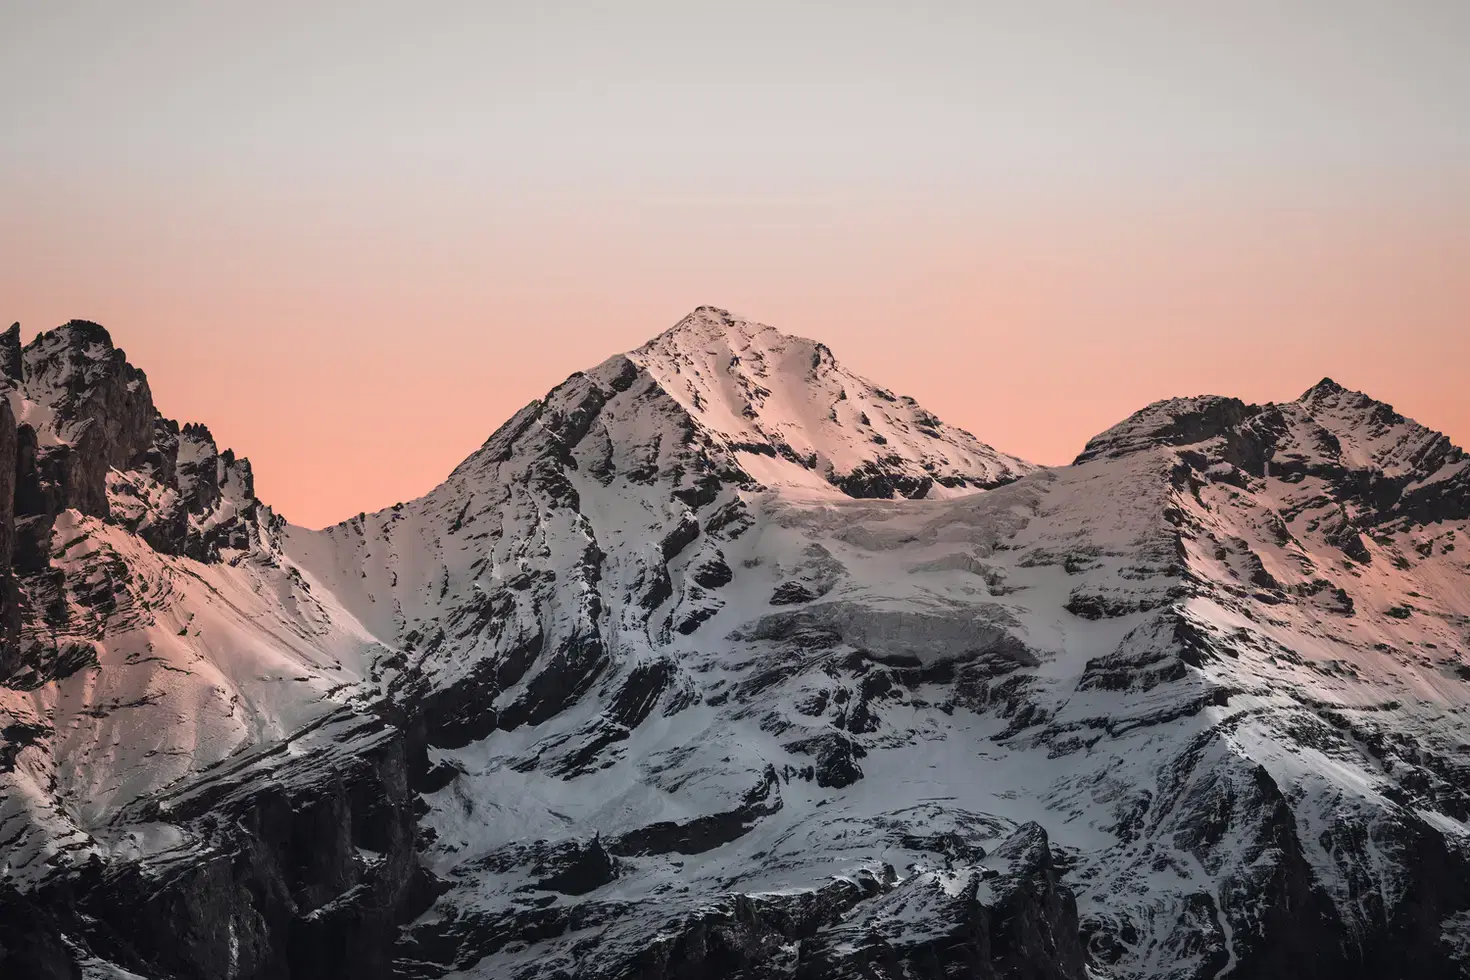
{"x":764,"y":393}
{"x":721,"y":661}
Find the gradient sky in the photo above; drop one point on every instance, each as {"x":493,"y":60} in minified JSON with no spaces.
{"x":355,"y":237}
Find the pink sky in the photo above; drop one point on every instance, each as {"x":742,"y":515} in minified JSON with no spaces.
{"x":353,"y":240}
{"x":356,"y":366}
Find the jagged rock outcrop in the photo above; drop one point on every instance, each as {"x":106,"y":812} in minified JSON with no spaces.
{"x":33,"y":943}
{"x":1007,"y":917}
{"x":81,"y":433}
{"x":302,"y":874}
{"x":12,"y":365}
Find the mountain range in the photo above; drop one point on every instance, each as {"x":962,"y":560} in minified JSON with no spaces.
{"x":721,"y":661}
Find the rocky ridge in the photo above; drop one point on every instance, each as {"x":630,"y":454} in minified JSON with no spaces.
{"x":81,"y":434}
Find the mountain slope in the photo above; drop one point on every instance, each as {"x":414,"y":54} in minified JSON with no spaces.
{"x":720,"y":661}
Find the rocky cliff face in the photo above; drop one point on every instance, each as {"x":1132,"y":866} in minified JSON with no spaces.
{"x":721,"y":661}
{"x":81,"y":435}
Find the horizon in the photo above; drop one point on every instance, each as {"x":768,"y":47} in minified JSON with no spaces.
{"x":402,"y":227}
{"x":185,"y":418}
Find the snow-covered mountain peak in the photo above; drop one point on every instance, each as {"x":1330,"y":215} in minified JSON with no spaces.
{"x":706,"y":325}
{"x":796,"y":417}
{"x":712,"y":343}
{"x":1373,"y":435}
{"x":1329,"y":398}
{"x":1329,"y":424}
{"x":1325,"y":387}
{"x":1171,"y":422}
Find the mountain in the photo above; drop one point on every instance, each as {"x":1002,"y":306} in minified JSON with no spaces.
{"x":721,"y":661}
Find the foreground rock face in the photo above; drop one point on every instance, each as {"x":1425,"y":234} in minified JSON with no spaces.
{"x":300,"y":869}
{"x":291,"y":880}
{"x":720,"y":661}
{"x":1009,"y":917}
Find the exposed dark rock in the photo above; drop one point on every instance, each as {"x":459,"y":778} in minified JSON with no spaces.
{"x":790,"y":594}
{"x":707,"y":832}
{"x":12,"y":366}
{"x":580,"y":870}
{"x":293,"y":878}
{"x":640,"y":693}
{"x":9,"y":589}
{"x":873,"y":480}
{"x":704,"y":490}
{"x":680,"y":537}
{"x":1093,"y":604}
{"x":32,"y":943}
{"x":161,"y":460}
{"x":695,"y":617}
{"x":89,"y":383}
{"x":197,"y":462}
{"x":436,"y":777}
{"x":837,"y":761}
{"x":1343,"y":533}
{"x":564,"y":676}
{"x":100,"y":418}
{"x":1141,"y":671}
{"x":1180,"y":422}
{"x":464,"y":712}
{"x":713,"y":573}
{"x":1017,"y":922}
{"x":15,"y":737}
{"x":730,"y":520}
{"x":741,"y":936}
{"x":38,"y":500}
